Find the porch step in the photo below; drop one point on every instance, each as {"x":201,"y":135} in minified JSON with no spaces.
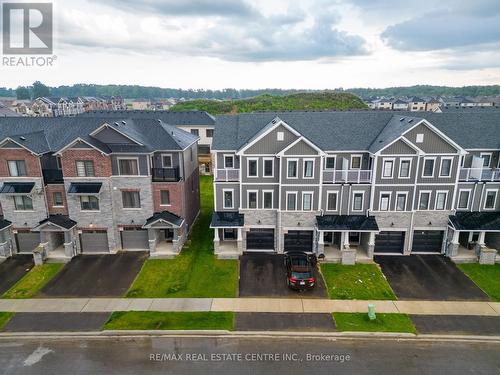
{"x":58,"y":260}
{"x":228,"y":256}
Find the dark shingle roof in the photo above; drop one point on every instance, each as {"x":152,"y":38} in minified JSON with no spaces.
{"x":468,"y":221}
{"x":360,"y":130}
{"x":169,"y":117}
{"x":42,"y":135}
{"x":227,"y":219}
{"x":17,"y":187}
{"x":347,"y":222}
{"x":59,"y":220}
{"x":85,"y":187}
{"x":4,"y":223}
{"x":165,"y":216}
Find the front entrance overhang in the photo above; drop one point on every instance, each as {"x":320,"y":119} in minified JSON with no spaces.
{"x":227,"y":220}
{"x":475,"y":222}
{"x":55,"y":223}
{"x":347,"y":223}
{"x":164,"y":220}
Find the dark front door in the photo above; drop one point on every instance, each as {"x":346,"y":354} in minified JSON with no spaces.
{"x":260,"y":239}
{"x":390,"y":242}
{"x":427,"y":241}
{"x":299,"y":240}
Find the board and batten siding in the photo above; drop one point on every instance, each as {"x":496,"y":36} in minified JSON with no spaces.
{"x":432,"y":144}
{"x":269,"y":144}
{"x":399,"y":148}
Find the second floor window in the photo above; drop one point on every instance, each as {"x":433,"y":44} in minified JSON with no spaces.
{"x":210,"y":133}
{"x":228,"y":199}
{"x":166,"y":161}
{"x":388,"y":166}
{"x":17,"y":168}
{"x":252,"y":199}
{"x":401,"y":202}
{"x":164,"y":197}
{"x":428,"y":168}
{"x":89,"y":203}
{"x":291,"y":201}
{"x":268,"y":167}
{"x":57,"y":199}
{"x":85,"y":168}
{"x":356,"y":162}
{"x":131,"y":199}
{"x":195,"y":132}
{"x":307,"y":201}
{"x":404,"y":168}
{"x":425,"y":198}
{"x":331,"y":203}
{"x":292,"y":169}
{"x":385,"y":199}
{"x":441,"y":200}
{"x":128,"y":167}
{"x":357,"y":202}
{"x":252,"y":167}
{"x":463,"y":199}
{"x":491,"y":199}
{"x":229,"y":161}
{"x":445,"y":168}
{"x":486,"y":159}
{"x":308,"y":168}
{"x":23,"y":203}
{"x":268,"y":199}
{"x":330,"y":162}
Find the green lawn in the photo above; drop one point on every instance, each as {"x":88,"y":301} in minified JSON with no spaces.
{"x":382,"y":323}
{"x":196,"y":272}
{"x":139,"y":320}
{"x":4,"y":318}
{"x":485,"y":276}
{"x":33,"y":281}
{"x":361,"y":281}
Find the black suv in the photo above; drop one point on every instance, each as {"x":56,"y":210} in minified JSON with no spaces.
{"x":299,"y":268}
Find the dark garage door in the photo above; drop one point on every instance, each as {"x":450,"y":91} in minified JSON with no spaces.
{"x":94,"y":241}
{"x":390,"y":242}
{"x":427,"y":241}
{"x":260,"y":239}
{"x":27,"y":241}
{"x":299,"y":240}
{"x":135,"y":239}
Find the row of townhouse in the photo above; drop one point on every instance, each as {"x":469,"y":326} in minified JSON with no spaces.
{"x":88,"y":185}
{"x":414,"y":104}
{"x":70,"y":106}
{"x":198,"y":123}
{"x":351,"y":185}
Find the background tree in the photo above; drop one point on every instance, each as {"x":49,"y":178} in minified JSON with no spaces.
{"x":39,"y":89}
{"x":23,"y":93}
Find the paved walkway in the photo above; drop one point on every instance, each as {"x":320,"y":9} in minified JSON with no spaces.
{"x":247,"y":305}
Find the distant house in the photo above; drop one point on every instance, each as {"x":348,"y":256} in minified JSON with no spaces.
{"x":400,"y":105}
{"x":433,"y":105}
{"x":417,"y":104}
{"x":139,"y":104}
{"x":6,"y":112}
{"x":385,"y":104}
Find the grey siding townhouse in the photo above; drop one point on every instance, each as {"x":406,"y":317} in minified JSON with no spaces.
{"x":91,"y":185}
{"x":351,"y":185}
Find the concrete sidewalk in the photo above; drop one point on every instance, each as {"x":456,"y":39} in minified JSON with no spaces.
{"x":248,"y":305}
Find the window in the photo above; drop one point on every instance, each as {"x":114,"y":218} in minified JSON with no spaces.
{"x":229,"y":234}
{"x":331,"y":201}
{"x":228,"y":161}
{"x":401,"y":201}
{"x":59,"y":162}
{"x":268,"y":167}
{"x":441,"y":198}
{"x":385,"y":200}
{"x":164,"y":197}
{"x":131,"y":199}
{"x":486,"y":159}
{"x":166,"y":161}
{"x":23,"y":203}
{"x":191,"y":157}
{"x":490,"y":200}
{"x":195,"y":132}
{"x":330,"y":162}
{"x":268,"y":199}
{"x":428,"y":170}
{"x":252,"y":168}
{"x":307,"y":198}
{"x":85,"y":168}
{"x":252,"y":199}
{"x":463,"y":199}
{"x":228,"y":198}
{"x":445,"y":170}
{"x":425,"y":197}
{"x":89,"y":203}
{"x":57,"y":199}
{"x":357,"y":201}
{"x":17,"y":168}
{"x":420,"y":137}
{"x":308,"y":168}
{"x":291,"y":201}
{"x":209,"y":133}
{"x":388,"y":168}
{"x":292,"y":169}
{"x":128,"y":167}
{"x":356,"y":162}
{"x":280,"y":136}
{"x":405,"y":168}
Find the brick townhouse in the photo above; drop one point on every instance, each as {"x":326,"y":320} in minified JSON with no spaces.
{"x":351,"y":185}
{"x":90,"y":185}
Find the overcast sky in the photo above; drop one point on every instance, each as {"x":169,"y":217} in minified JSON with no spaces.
{"x":314,"y":44}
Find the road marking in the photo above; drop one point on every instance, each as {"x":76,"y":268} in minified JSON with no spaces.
{"x":37,"y":356}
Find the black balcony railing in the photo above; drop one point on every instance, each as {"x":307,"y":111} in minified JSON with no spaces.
{"x":53,"y":176}
{"x":165,"y":174}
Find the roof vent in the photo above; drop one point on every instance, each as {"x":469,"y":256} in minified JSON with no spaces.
{"x":22,"y":138}
{"x":116,"y":124}
{"x":402,"y":119}
{"x":410,"y":121}
{"x":124,"y":122}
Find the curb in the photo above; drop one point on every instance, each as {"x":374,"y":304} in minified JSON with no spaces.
{"x":246,"y":334}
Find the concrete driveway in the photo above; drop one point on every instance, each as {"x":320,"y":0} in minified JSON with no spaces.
{"x":13,"y":269}
{"x":428,"y":277}
{"x":263,"y":275}
{"x":108,"y":275}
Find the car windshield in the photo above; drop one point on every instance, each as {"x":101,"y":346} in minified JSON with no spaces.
{"x":302,"y":261}
{"x":301,"y":275}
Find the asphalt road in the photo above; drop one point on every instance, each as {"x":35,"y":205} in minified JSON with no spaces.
{"x":244,"y":355}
